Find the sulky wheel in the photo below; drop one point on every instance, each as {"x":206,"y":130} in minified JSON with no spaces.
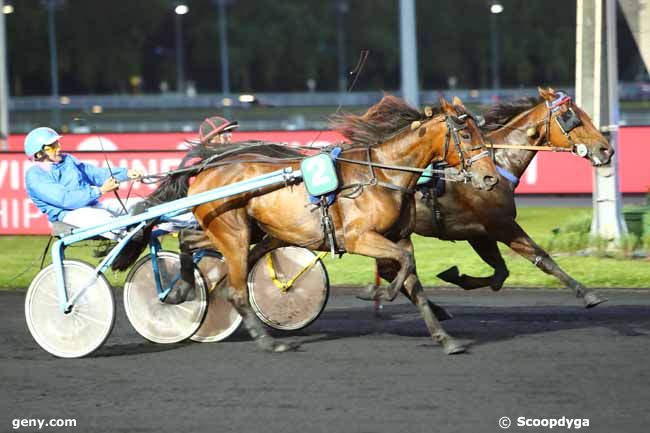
{"x":221,"y":320}
{"x":295,"y":304}
{"x":82,"y":330}
{"x":152,"y":318}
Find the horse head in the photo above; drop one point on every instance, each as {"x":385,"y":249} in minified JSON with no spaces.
{"x":568,"y":126}
{"x":470,"y":154}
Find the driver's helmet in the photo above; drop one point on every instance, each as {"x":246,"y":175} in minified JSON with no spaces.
{"x":39,"y":137}
{"x":213,"y":126}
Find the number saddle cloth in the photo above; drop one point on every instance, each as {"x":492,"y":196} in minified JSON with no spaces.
{"x":320,"y":176}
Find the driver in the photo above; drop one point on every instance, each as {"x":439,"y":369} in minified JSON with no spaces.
{"x":68,"y":190}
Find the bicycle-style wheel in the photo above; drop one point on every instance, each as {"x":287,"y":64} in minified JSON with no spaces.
{"x":82,"y":330}
{"x":222,"y":319}
{"x":299,"y":305}
{"x":152,"y":318}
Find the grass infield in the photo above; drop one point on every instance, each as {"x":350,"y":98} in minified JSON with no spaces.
{"x":20,"y":259}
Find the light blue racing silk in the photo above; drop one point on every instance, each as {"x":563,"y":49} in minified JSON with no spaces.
{"x":70,"y":184}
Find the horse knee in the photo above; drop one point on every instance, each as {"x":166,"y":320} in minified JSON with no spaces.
{"x":409,"y":263}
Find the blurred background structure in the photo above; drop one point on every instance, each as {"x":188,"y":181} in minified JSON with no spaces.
{"x":162,"y":65}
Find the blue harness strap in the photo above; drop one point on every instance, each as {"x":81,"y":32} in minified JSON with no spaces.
{"x":509,"y":176}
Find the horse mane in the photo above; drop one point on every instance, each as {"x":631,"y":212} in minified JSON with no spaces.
{"x":498,"y":115}
{"x":201,"y":156}
{"x":381,"y":122}
{"x":267,"y":149}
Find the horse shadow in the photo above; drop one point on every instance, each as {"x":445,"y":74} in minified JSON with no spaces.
{"x":478,"y":326}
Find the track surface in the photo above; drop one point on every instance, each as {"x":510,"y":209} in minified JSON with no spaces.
{"x":534,"y":353}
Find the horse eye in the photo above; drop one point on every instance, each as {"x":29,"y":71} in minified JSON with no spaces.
{"x":465,"y":135}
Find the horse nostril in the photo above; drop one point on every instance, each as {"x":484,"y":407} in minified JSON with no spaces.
{"x":606,"y":151}
{"x":490,"y":180}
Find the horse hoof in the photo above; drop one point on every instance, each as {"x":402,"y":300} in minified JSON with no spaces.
{"x":591,"y":299}
{"x":450,"y":275}
{"x":387,"y":295}
{"x":182,"y":292}
{"x":369,"y":293}
{"x":279,"y":347}
{"x":453,"y":347}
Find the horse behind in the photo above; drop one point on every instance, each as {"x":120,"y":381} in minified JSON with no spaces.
{"x":550,"y":122}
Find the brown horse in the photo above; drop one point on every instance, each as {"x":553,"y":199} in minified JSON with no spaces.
{"x":373,"y":215}
{"x":552,"y":122}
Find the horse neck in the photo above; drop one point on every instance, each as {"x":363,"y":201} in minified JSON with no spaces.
{"x":411,"y":150}
{"x":514,"y":132}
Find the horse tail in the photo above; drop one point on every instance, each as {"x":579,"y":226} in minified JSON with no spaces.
{"x":133,"y":249}
{"x":172,"y":188}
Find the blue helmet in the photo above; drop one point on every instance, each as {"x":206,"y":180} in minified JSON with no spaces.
{"x":37,"y":138}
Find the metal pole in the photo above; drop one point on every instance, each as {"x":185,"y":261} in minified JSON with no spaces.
{"x":408,"y":52}
{"x":494,"y":39}
{"x":180,"y":78}
{"x":341,"y":8}
{"x":4,"y":85}
{"x":597,"y":94}
{"x":54,"y":72}
{"x":223,"y":49}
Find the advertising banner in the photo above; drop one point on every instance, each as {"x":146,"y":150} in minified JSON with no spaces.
{"x":549,"y":173}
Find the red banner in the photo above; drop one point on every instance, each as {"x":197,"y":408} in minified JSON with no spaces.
{"x":556,"y":173}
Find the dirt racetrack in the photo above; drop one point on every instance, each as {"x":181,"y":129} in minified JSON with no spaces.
{"x":535,"y":354}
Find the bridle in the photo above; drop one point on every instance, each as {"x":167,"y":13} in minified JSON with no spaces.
{"x":567,"y":121}
{"x":454,"y":124}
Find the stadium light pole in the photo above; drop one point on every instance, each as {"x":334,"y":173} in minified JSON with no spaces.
{"x":223,"y":48}
{"x":342,"y":8}
{"x":495,"y":9}
{"x":408,"y":52}
{"x":4,"y":82}
{"x":179,"y":10}
{"x":54,"y":63}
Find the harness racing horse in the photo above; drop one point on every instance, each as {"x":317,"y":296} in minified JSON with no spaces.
{"x":373,"y":215}
{"x":552,"y":122}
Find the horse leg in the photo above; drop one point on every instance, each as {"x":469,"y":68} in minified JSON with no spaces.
{"x":387,"y":270}
{"x":234,"y":245}
{"x":415,"y":292}
{"x":517,"y":239}
{"x":489,"y":252}
{"x":183,"y":289}
{"x":373,"y":244}
{"x":267,"y":244}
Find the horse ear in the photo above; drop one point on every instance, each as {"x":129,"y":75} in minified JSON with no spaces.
{"x":457,"y":101}
{"x":545,"y":94}
{"x":552,"y":91}
{"x":446,"y":107}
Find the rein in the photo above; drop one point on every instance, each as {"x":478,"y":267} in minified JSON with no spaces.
{"x":528,"y":147}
